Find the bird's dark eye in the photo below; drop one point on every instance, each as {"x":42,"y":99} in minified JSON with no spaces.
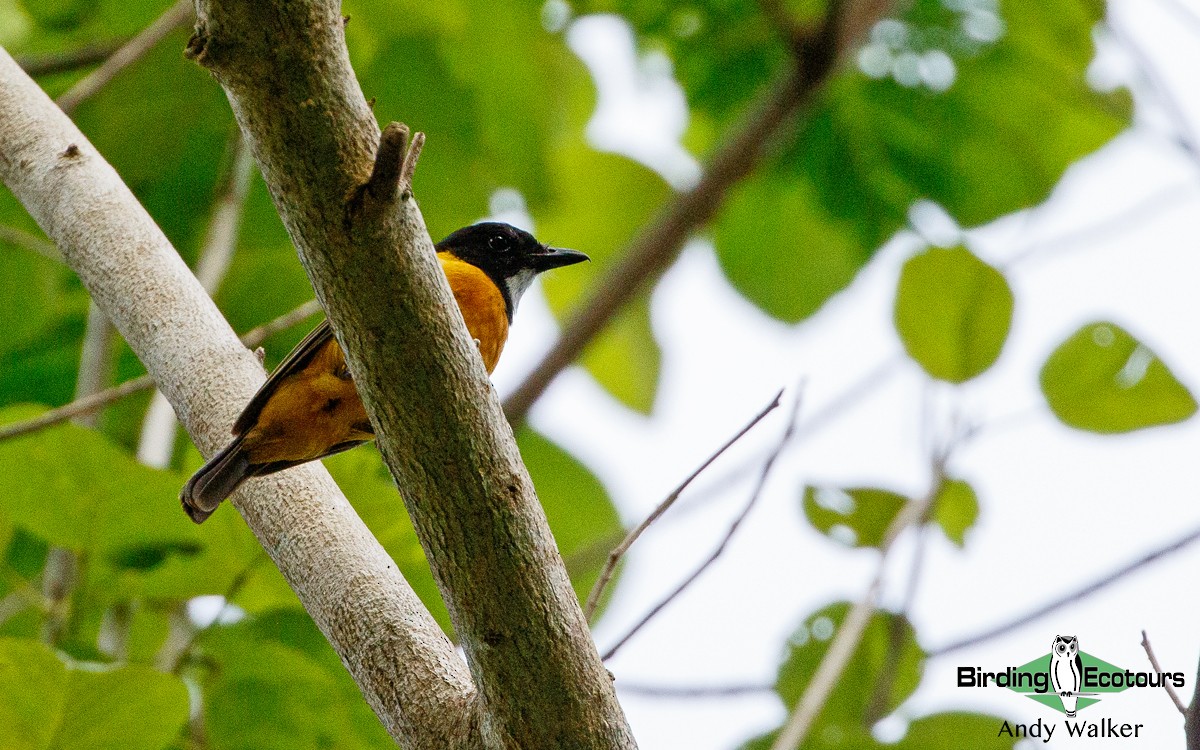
{"x":497,"y":244}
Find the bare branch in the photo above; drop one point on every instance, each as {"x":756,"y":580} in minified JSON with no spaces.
{"x":1158,"y":668}
{"x":251,"y":339}
{"x":30,"y":241}
{"x":733,"y":527}
{"x":614,"y":557}
{"x":1184,"y":132}
{"x":830,"y":670}
{"x":176,"y":16}
{"x":810,"y":426}
{"x":1071,"y":598}
{"x":68,"y":60}
{"x":658,"y":245}
{"x":1191,"y":718}
{"x":692,"y":691}
{"x":1153,"y":205}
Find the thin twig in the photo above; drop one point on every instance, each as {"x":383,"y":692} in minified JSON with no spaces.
{"x":174,"y":17}
{"x":850,"y":634}
{"x":614,"y":557}
{"x":68,"y":60}
{"x":225,"y":225}
{"x":1175,"y":110}
{"x":1070,"y":598}
{"x":692,"y":691}
{"x":844,"y":644}
{"x":733,"y":527}
{"x":1154,"y":204}
{"x":812,"y":425}
{"x":1158,"y":668}
{"x":878,"y":705}
{"x":256,"y":336}
{"x":1182,"y":10}
{"x":235,"y":587}
{"x":251,"y":339}
{"x":30,"y":241}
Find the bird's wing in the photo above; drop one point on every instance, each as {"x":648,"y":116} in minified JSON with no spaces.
{"x":295,"y":360}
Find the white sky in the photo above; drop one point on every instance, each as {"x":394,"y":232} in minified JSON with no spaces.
{"x":1059,"y":507}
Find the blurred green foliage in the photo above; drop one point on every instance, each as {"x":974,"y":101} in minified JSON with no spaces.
{"x":977,"y":107}
{"x":953,"y":312}
{"x":1102,"y":379}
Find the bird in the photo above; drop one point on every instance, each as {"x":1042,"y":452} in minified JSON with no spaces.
{"x":309,"y":407}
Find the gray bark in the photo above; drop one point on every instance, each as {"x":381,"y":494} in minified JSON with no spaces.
{"x":406,"y":667}
{"x":286,"y":70}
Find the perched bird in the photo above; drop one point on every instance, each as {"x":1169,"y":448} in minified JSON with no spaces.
{"x":309,"y":407}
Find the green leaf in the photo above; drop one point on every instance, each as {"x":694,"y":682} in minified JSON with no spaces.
{"x":499,"y":77}
{"x":883,"y":672}
{"x":33,"y":683}
{"x":278,"y":685}
{"x":599,"y":215}
{"x":1016,"y":114}
{"x":953,"y":312}
{"x":856,"y":517}
{"x":104,"y":501}
{"x":955,"y":509}
{"x":1102,"y":379}
{"x":46,"y":706}
{"x":154,"y":161}
{"x":585,"y":523}
{"x":788,"y":279}
{"x":722,"y":50}
{"x":953,"y":729}
{"x":131,"y":708}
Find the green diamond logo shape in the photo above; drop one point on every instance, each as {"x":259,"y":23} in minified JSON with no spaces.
{"x":1096,"y":672}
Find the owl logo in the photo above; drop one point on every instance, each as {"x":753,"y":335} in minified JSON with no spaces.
{"x":1066,"y":671}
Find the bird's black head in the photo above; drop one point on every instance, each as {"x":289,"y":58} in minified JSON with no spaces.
{"x":511,"y":257}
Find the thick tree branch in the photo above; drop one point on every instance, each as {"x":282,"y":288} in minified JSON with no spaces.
{"x":286,"y":70}
{"x":406,"y":667}
{"x":659,"y":244}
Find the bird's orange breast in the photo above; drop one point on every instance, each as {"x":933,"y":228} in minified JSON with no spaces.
{"x":481,"y":304}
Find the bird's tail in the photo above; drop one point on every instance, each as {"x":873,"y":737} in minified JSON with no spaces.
{"x":215,"y":481}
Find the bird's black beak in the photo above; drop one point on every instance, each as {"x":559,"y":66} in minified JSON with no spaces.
{"x":555,"y":257}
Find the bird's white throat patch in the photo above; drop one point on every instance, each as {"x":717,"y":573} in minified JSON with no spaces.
{"x":518,"y":283}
